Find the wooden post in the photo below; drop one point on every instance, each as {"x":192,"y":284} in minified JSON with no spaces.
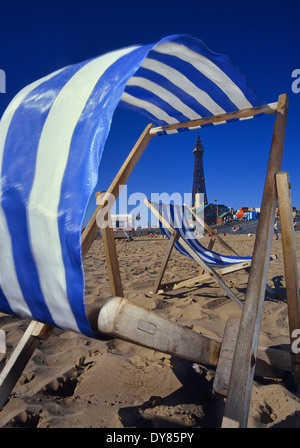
{"x":242,"y":373}
{"x":124,"y":319}
{"x":91,"y":230}
{"x":290,"y":263}
{"x":111,"y":257}
{"x":11,"y":372}
{"x":167,"y":255}
{"x":223,"y":369}
{"x":121,"y":318}
{"x":110,"y":252}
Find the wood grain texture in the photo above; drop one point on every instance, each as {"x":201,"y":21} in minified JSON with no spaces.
{"x":240,"y":385}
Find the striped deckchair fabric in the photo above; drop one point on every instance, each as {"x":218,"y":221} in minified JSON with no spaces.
{"x":51,"y":140}
{"x":182,"y":80}
{"x":176,"y":216}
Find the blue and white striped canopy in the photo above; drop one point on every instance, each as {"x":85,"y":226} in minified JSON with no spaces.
{"x":51,"y":141}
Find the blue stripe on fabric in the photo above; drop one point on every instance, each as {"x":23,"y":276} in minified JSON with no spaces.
{"x":81,"y":173}
{"x":146,"y":95}
{"x":184,"y":96}
{"x":225,"y":64}
{"x":17,"y":178}
{"x":197,"y":78}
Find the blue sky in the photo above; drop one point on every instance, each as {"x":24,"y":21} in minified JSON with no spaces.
{"x":260,"y":37}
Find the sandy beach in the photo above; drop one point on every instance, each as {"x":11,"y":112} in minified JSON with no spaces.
{"x":72,"y":381}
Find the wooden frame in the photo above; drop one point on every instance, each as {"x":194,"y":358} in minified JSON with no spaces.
{"x":223,"y":243}
{"x":248,"y":358}
{"x":210,"y":272}
{"x":290,"y":262}
{"x":243,"y":365}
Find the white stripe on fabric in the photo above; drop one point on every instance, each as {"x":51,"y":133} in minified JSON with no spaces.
{"x":51,"y":162}
{"x":8,"y":278}
{"x":164,"y":94}
{"x":181,"y":81}
{"x":151,"y":108}
{"x":209,"y":69}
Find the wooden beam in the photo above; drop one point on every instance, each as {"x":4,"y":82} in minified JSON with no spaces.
{"x":240,"y":385}
{"x":244,"y":113}
{"x":91,"y":230}
{"x":223,"y":369}
{"x":173,"y":239}
{"x":121,"y":318}
{"x":111,"y":257}
{"x":290,"y":263}
{"x":110,"y":252}
{"x":202,"y":278}
{"x":12,"y":370}
{"x":124,"y":319}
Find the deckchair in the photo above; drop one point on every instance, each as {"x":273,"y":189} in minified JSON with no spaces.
{"x":51,"y":140}
{"x":173,"y":223}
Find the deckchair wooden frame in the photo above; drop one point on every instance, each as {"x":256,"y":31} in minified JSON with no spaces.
{"x":206,"y":274}
{"x":245,"y":354}
{"x":235,"y":413}
{"x":209,"y":270}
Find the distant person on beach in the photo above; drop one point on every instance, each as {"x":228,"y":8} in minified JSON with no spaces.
{"x":235,"y":229}
{"x":276,"y":230}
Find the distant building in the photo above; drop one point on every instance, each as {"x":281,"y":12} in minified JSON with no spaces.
{"x":211,"y":213}
{"x":224,"y":217}
{"x":122,"y":223}
{"x":247,"y":213}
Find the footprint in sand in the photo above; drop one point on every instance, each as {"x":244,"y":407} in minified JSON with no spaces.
{"x":61,"y":386}
{"x":24,"y":419}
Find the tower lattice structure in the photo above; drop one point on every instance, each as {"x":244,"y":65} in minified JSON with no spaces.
{"x":198,"y":179}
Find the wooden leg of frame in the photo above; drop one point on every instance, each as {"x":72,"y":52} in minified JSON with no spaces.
{"x":111,"y":257}
{"x":13,"y":369}
{"x":290,"y":264}
{"x":243,"y":366}
{"x":167,"y":255}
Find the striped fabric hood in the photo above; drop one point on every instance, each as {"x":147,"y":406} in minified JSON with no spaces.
{"x":51,"y":140}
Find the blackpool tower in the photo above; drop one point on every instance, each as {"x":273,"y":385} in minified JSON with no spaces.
{"x":198,"y":179}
